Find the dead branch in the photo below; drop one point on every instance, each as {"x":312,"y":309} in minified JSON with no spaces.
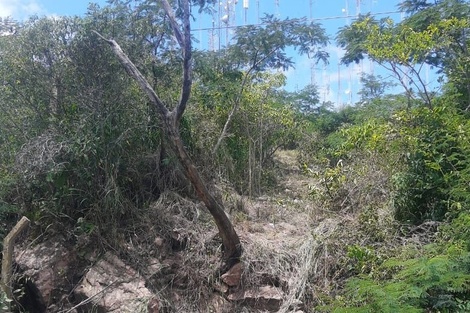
{"x":8,"y":248}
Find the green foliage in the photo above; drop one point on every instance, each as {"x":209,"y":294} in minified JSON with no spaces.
{"x":322,"y":136}
{"x":373,"y":88}
{"x":364,"y":126}
{"x":436,"y":163}
{"x":431,"y":148}
{"x":372,"y":135}
{"x":262,"y":124}
{"x":307,"y":100}
{"x":263,"y":46}
{"x":78,"y":136}
{"x":363,"y":260}
{"x":352,"y":38}
{"x":434,"y":36}
{"x":427,"y":150}
{"x":424,"y":153}
{"x":84,"y":227}
{"x":448,"y":56}
{"x":434,"y":282}
{"x":236,"y":94}
{"x":331,"y":181}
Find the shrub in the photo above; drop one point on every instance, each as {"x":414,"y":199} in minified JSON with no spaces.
{"x":437,"y":281}
{"x":436,"y":161}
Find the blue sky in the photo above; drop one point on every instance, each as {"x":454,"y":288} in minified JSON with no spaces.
{"x":335,"y":82}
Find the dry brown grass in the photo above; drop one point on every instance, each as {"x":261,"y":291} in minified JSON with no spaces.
{"x":289,"y":241}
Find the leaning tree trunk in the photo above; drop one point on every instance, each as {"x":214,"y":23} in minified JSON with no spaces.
{"x":171,"y":121}
{"x":230,"y":239}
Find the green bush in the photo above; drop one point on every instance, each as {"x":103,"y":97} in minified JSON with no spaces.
{"x":438,"y":281}
{"x":437,"y":163}
{"x":426,"y":150}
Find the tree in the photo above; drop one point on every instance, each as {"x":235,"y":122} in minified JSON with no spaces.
{"x":435,"y":35}
{"x":307,"y":100}
{"x":373,"y":87}
{"x":170,"y":120}
{"x":7,"y":26}
{"x":262,"y":47}
{"x":451,"y":56}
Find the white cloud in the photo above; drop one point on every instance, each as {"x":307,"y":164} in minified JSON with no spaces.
{"x":32,"y":7}
{"x":20,"y":9}
{"x":7,"y":8}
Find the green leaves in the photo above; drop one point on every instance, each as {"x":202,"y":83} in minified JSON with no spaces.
{"x":433,"y":36}
{"x":262,"y":47}
{"x":353,"y":39}
{"x":404,"y":45}
{"x":437,"y":282}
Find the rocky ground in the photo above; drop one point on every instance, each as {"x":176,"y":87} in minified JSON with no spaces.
{"x":167,"y":261}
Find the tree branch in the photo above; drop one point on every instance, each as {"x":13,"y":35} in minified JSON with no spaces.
{"x":8,"y":246}
{"x":170,"y":121}
{"x":174,"y":25}
{"x":184,"y":40}
{"x":235,"y":107}
{"x":134,"y":72}
{"x":427,"y":96}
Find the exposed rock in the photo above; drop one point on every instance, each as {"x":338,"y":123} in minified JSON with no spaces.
{"x":233,"y":276}
{"x":48,"y":267}
{"x":111,"y":286}
{"x":273,"y":280}
{"x":263,"y":298}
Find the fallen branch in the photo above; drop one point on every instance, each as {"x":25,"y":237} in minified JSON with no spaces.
{"x":8,"y":248}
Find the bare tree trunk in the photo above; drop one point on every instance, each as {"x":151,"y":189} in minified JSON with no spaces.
{"x":7,"y":261}
{"x":171,"y":120}
{"x":231,"y":242}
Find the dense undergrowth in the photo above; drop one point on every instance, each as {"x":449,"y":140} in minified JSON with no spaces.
{"x":389,"y":221}
{"x":412,"y":254}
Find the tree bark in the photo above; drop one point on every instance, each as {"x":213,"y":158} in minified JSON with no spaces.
{"x":230,"y":240}
{"x":171,"y":120}
{"x":8,"y":247}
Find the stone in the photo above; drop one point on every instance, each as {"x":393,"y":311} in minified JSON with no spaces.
{"x":49,"y":267}
{"x":268,"y":298}
{"x":233,"y":277}
{"x":112,"y":286}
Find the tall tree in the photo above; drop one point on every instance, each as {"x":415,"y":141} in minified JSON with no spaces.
{"x":435,"y":34}
{"x":262,"y":47}
{"x":307,"y":100}
{"x":171,"y":118}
